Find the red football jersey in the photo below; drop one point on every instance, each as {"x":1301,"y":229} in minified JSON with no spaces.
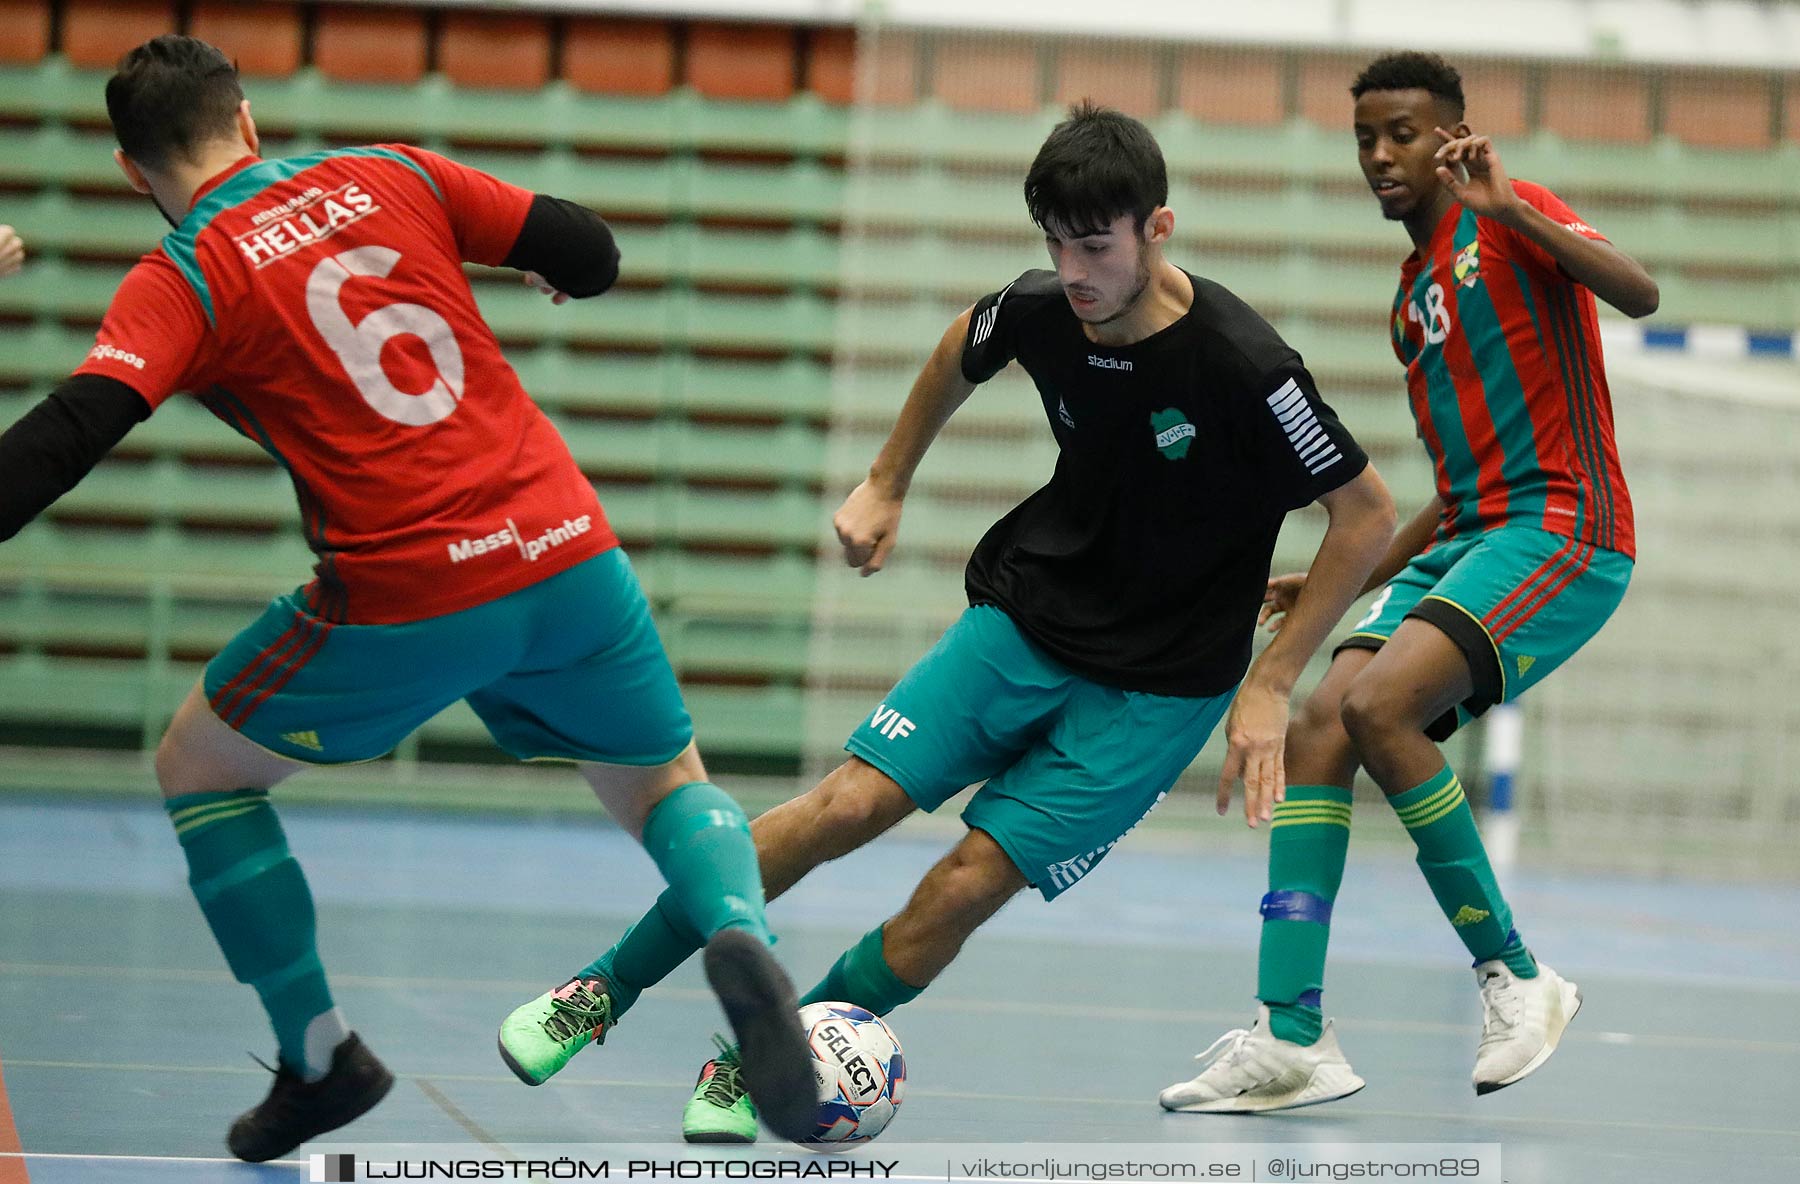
{"x":1507,"y":380}
{"x":318,"y":306}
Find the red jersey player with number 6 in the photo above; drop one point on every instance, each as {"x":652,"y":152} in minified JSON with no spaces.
{"x":318,"y":306}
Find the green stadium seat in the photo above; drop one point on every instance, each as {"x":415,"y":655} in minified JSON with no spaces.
{"x":1297,"y":150}
{"x":732,"y":646}
{"x":56,"y":155}
{"x":57,"y":222}
{"x":753,"y":720}
{"x":45,"y":352}
{"x":203,"y":561}
{"x":95,"y":692}
{"x":51,"y":89}
{"x":1688,"y":299}
{"x":165,"y":490}
{"x":781,"y":583}
{"x":628,"y":383}
{"x":62,"y":291}
{"x":794,"y":387}
{"x":644,"y":384}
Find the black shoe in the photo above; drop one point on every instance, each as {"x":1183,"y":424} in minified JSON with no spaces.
{"x":759,"y":1001}
{"x":297,"y":1110}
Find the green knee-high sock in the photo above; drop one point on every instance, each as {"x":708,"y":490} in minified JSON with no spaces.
{"x":648,"y":953}
{"x":1455,"y":864}
{"x":862,"y":976}
{"x":1308,"y":841}
{"x":701,"y":843}
{"x":255,"y":898}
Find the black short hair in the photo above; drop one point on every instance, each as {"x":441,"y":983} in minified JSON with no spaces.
{"x":1095,"y":166}
{"x":1409,"y":69}
{"x":170,"y":95}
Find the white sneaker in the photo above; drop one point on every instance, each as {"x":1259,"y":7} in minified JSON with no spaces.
{"x":1522,"y":1021}
{"x":1252,"y":1071}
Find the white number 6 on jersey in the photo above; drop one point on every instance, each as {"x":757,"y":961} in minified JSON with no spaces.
{"x":359,"y":346}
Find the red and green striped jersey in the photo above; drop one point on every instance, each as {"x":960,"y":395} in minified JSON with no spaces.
{"x":1503,"y":366}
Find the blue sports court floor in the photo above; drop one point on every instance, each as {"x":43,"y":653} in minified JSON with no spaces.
{"x":123,"y":1039}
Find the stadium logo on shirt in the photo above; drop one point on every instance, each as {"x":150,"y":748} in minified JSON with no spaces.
{"x":300,"y":222}
{"x":1108,"y":363}
{"x":1468,"y":265}
{"x":1174,"y":434}
{"x":107,"y":353}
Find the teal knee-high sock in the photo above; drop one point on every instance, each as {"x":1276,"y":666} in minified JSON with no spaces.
{"x":648,"y":953}
{"x":1308,"y":842}
{"x":701,"y":843}
{"x":255,"y":898}
{"x":862,"y":976}
{"x":1455,"y":864}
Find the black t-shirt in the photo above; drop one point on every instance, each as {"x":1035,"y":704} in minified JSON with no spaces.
{"x":1142,"y":563}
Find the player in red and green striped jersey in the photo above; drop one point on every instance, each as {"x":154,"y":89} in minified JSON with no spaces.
{"x":1518,"y":560}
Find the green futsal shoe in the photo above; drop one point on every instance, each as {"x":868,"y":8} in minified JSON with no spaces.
{"x":721,"y":1110}
{"x":539,"y":1038}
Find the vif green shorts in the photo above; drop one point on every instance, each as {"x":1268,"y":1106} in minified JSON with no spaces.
{"x":1070,"y":765}
{"x":1518,"y":601}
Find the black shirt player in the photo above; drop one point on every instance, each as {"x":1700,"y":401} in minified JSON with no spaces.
{"x":1110,"y":613}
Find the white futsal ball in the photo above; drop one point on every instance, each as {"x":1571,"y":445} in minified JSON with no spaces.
{"x":860,"y":1070}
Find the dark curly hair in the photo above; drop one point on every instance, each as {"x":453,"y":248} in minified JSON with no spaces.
{"x":1411,"y":70}
{"x":1095,"y":166}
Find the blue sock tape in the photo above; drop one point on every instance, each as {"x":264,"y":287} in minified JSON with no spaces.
{"x":1296,"y":906}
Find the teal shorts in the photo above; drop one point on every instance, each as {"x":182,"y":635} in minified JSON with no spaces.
{"x":569,"y":668}
{"x":1070,"y":765}
{"x":1518,"y":601}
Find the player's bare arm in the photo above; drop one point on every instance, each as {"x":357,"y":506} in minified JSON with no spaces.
{"x":1362,"y":518}
{"x":1469,"y":166}
{"x":868,"y":523}
{"x":1412,"y":537}
{"x":12,"y":250}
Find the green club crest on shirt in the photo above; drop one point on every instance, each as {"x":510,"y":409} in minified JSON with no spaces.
{"x":1173,"y":432}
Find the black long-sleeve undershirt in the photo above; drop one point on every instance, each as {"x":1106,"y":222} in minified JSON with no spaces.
{"x":56,"y":443}
{"x":59,"y":441}
{"x":569,"y":245}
